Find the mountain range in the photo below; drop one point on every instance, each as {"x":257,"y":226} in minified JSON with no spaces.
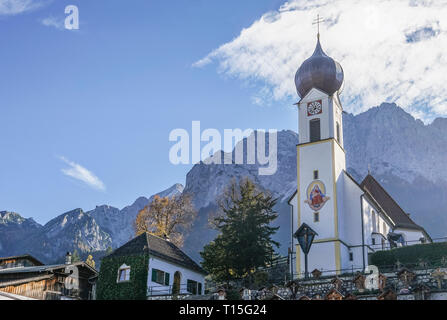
{"x":406,"y":156}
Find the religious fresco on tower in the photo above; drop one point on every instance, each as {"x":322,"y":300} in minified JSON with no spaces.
{"x":316,"y":195}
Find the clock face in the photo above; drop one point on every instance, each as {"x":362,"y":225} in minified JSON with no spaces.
{"x":314,"y":108}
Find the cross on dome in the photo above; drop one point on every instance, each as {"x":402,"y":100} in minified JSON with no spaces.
{"x":317,"y":22}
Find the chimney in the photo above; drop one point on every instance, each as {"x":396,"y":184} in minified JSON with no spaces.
{"x":165,"y":236}
{"x":68,"y":258}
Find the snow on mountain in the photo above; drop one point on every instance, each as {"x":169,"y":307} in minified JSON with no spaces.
{"x":119,"y":223}
{"x":91,"y":231}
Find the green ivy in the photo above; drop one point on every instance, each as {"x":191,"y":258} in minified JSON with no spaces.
{"x":431,"y":253}
{"x":134,"y":289}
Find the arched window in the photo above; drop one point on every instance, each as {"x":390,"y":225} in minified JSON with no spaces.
{"x":374,"y":220}
{"x":315,"y":133}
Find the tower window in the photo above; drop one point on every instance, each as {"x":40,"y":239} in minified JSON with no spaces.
{"x":315,"y":133}
{"x":316,"y":217}
{"x":338,"y":132}
{"x":351,"y":256}
{"x":315,"y":174}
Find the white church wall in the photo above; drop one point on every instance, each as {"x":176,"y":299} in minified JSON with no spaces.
{"x":321,"y":256}
{"x":412,"y":236}
{"x":351,"y":224}
{"x":321,"y":155}
{"x":338,"y":118}
{"x":356,"y":264}
{"x":350,"y":230}
{"x":374,"y":222}
{"x":294,"y":224}
{"x":340,"y":165}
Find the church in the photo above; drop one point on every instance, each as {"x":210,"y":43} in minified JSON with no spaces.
{"x":350,"y":219}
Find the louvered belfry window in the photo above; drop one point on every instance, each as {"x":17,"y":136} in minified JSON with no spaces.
{"x":315,"y":133}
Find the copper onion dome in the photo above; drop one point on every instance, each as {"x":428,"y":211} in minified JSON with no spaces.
{"x":319,"y":71}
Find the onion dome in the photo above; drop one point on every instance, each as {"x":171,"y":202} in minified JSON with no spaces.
{"x":321,"y":72}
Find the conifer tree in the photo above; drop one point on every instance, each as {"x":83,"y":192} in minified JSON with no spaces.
{"x":245,"y":241}
{"x":75,"y":256}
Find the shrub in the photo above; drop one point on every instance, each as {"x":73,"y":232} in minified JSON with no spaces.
{"x":431,"y":253}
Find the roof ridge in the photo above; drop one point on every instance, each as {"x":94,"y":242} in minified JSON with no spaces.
{"x":389,"y":196}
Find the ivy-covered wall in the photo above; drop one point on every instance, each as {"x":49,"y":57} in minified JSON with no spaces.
{"x":135,"y":289}
{"x":431,"y":253}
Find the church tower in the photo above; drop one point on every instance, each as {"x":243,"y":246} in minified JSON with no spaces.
{"x":320,"y":159}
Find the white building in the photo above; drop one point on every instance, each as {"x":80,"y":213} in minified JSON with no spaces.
{"x":351,"y":219}
{"x":169,"y":271}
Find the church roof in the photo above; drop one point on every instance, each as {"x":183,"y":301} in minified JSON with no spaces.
{"x":388,"y":204}
{"x":319,"y":71}
{"x":157,"y":247}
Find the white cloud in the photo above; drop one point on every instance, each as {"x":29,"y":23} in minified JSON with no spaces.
{"x":78,"y":172}
{"x":57,"y":23}
{"x":390,"y":50}
{"x":13,"y":7}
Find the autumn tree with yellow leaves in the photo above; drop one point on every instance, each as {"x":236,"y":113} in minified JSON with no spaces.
{"x":90,"y":261}
{"x":167,"y":217}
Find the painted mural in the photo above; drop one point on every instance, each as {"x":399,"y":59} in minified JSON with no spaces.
{"x":316,"y":195}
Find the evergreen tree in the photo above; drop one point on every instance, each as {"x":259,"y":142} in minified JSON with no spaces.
{"x":109,"y":250}
{"x":75,"y":256}
{"x":245,"y":240}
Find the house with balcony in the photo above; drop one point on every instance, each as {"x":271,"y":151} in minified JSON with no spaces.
{"x":149,"y":267}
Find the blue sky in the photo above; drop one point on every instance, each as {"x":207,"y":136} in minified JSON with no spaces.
{"x":105,"y":97}
{"x":86,"y":114}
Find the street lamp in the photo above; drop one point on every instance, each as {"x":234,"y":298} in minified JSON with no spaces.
{"x":305,"y":236}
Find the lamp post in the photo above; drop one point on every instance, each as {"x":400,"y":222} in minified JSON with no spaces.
{"x":305,"y":236}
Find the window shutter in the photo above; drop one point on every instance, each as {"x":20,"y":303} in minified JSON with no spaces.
{"x":200,"y":288}
{"x":167,"y":279}
{"x":154,"y":275}
{"x":315,"y":133}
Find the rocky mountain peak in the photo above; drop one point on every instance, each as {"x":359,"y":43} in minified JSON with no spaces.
{"x":404,"y":154}
{"x":7,"y":217}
